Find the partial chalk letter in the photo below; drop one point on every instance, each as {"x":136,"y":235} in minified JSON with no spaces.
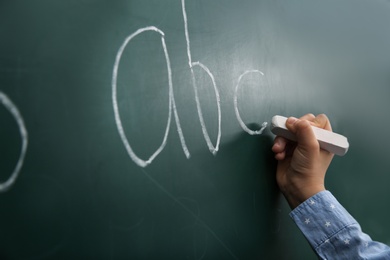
{"x":213,"y":149}
{"x":23,"y":133}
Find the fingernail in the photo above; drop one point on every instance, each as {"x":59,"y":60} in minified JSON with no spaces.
{"x":291,"y":120}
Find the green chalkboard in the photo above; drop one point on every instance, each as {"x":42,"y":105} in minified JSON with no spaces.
{"x":136,"y":129}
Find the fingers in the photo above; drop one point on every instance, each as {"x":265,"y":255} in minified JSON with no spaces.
{"x":279,"y":144}
{"x":308,"y":117}
{"x":322,"y":121}
{"x":279,"y":147}
{"x":303,"y":132}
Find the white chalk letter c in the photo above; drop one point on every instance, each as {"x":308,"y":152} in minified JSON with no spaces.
{"x":239,"y":119}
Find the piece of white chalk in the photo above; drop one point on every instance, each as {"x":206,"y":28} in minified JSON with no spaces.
{"x":329,"y":141}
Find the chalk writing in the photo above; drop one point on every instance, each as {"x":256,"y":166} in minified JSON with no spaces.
{"x":242,"y":124}
{"x":172,"y":105}
{"x":213,"y":149}
{"x":7,"y":103}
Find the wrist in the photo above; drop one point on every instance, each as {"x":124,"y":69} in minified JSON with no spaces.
{"x":297,"y":196}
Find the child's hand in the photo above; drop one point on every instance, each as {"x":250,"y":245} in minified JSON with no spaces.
{"x":302,"y":165}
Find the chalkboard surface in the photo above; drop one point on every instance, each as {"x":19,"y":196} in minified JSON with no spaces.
{"x":137,"y":129}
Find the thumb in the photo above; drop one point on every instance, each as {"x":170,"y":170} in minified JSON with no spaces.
{"x":304,"y":133}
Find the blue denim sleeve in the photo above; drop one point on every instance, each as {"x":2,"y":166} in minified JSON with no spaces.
{"x":333,"y":233}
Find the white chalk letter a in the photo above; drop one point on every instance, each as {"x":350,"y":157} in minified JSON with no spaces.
{"x":172,"y":105}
